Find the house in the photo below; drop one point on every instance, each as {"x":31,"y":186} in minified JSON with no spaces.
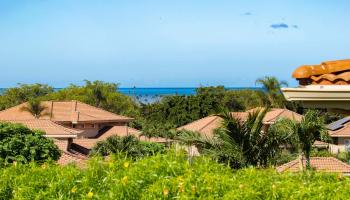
{"x":339,"y":131}
{"x":75,"y":126}
{"x":324,"y":164}
{"x":91,"y":121}
{"x":207,"y":125}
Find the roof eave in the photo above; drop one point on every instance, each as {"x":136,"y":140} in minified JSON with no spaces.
{"x":61,"y":135}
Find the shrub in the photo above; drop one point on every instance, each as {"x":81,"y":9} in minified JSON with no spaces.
{"x":165,"y":176}
{"x":20,"y":144}
{"x":128,"y":145}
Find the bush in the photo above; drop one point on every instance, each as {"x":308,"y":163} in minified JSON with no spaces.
{"x":165,"y":176}
{"x":20,"y":144}
{"x":128,"y":145}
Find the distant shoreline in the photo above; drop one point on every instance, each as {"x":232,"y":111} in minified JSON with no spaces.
{"x":161,"y":91}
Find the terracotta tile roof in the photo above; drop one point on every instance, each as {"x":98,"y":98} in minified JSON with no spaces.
{"x":278,"y":113}
{"x":71,"y":158}
{"x":61,"y":144}
{"x":328,"y":67}
{"x":207,"y":125}
{"x":122,"y":131}
{"x":49,"y":127}
{"x":66,"y":111}
{"x":342,"y":132}
{"x":326,"y":164}
{"x":327,"y":73}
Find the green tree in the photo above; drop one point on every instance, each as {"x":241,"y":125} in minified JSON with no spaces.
{"x":303,"y":134}
{"x":23,"y":93}
{"x":238,"y":142}
{"x":20,"y":144}
{"x":272,"y":94}
{"x":100,"y":94}
{"x":36,"y":108}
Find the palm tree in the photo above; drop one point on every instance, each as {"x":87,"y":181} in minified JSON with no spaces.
{"x":272,"y":87}
{"x":36,"y":108}
{"x":239,"y":142}
{"x":98,"y":91}
{"x":115,"y":144}
{"x":303,"y":134}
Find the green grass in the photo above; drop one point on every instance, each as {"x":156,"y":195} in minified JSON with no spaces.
{"x":165,"y":177}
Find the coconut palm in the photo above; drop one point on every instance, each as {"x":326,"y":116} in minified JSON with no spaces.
{"x":36,"y":108}
{"x":239,"y":142}
{"x":272,"y":94}
{"x":304,"y":133}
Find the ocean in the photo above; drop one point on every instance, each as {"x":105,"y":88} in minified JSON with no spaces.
{"x":151,"y":94}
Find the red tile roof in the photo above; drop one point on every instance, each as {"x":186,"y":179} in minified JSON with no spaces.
{"x":328,"y":67}
{"x":326,"y":164}
{"x":49,"y":127}
{"x":207,"y":125}
{"x":71,"y":158}
{"x":65,"y":111}
{"x":327,"y":73}
{"x":344,"y":131}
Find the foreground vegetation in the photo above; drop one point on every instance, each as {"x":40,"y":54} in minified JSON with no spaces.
{"x":165,"y":177}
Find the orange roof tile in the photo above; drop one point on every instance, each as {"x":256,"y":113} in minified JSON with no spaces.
{"x":121,"y":131}
{"x":61,"y":144}
{"x":278,"y":113}
{"x":328,"y":67}
{"x":342,"y":132}
{"x":71,"y":158}
{"x":207,"y":125}
{"x":326,"y":164}
{"x":49,"y":127}
{"x":65,"y":111}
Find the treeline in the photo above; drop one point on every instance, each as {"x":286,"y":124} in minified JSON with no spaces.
{"x":171,"y":110}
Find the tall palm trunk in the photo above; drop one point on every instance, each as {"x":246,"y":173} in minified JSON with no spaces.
{"x":307,"y":158}
{"x":300,"y":161}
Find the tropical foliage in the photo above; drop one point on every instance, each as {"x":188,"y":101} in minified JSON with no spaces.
{"x":36,"y":108}
{"x":22,"y":145}
{"x":240,"y":143}
{"x":272,"y":95}
{"x":128,"y":145}
{"x":303,"y":134}
{"x":165,"y":177}
{"x":22,"y":93}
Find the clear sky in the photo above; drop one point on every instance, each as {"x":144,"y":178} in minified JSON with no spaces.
{"x":167,"y":43}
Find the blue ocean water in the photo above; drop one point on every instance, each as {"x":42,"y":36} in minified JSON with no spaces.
{"x":162,"y":91}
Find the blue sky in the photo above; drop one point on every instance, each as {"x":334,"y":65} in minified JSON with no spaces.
{"x":167,"y":43}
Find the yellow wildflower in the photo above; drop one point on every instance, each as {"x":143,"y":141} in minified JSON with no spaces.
{"x":165,"y":191}
{"x":193,"y":189}
{"x":126,"y":164}
{"x":181,"y":187}
{"x":74,"y":189}
{"x":273,"y":186}
{"x":241,"y":186}
{"x":125,"y":180}
{"x":90,"y":194}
